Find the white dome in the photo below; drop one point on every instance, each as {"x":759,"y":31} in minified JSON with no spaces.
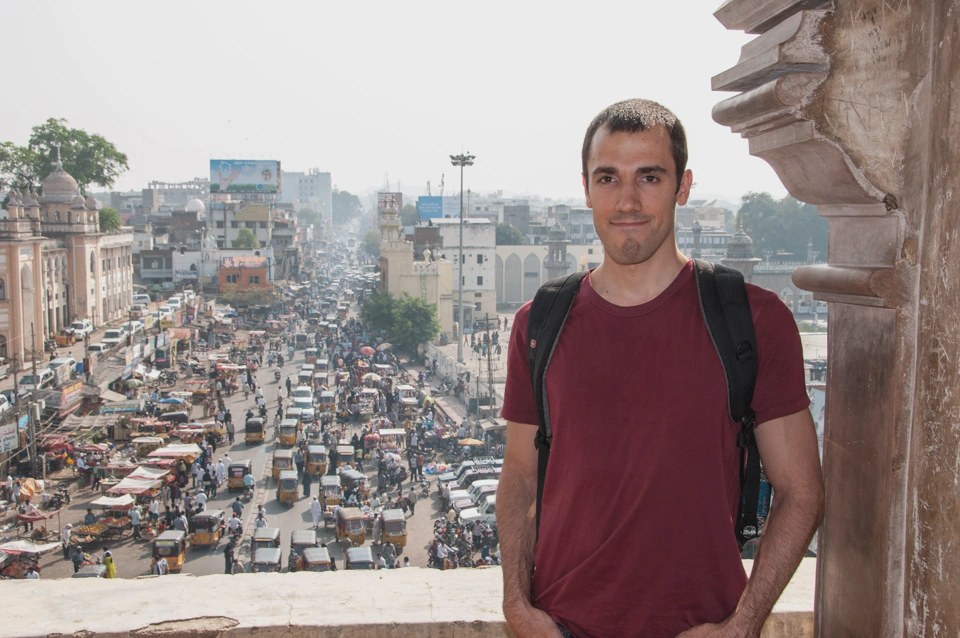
{"x":195,"y":206}
{"x":59,"y":187}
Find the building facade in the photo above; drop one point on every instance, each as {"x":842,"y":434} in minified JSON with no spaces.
{"x":476,"y":266}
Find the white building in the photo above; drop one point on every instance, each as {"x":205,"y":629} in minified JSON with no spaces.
{"x":313,"y":190}
{"x":225,"y":220}
{"x":478,"y":263}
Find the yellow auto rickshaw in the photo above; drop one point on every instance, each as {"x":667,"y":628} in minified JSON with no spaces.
{"x":172,"y":545}
{"x":345,"y":455}
{"x":394,"y":529}
{"x":208,"y":528}
{"x":264,"y":537}
{"x":253,"y":432}
{"x":236,"y":472}
{"x":316,"y":460}
{"x":315,"y":559}
{"x":330,"y":489}
{"x":328,"y":401}
{"x":287,"y":487}
{"x":350,"y":523}
{"x":355,"y":480}
{"x":301,"y":540}
{"x":289,"y":428}
{"x":282,"y":462}
{"x":310,"y":356}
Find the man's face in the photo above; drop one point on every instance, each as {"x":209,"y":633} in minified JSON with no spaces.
{"x":631,"y":185}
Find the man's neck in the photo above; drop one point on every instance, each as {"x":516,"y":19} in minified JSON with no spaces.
{"x":635,"y":284}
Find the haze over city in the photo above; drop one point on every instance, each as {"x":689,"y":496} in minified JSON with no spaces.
{"x":387,"y":91}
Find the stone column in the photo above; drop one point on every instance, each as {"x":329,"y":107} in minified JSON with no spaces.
{"x":850,"y":102}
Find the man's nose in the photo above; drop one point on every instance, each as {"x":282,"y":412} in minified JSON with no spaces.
{"x":629,"y":200}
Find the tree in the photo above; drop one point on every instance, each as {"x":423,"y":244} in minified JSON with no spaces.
{"x":345,"y":207}
{"x":507,"y":235}
{"x":246,"y":239}
{"x":783,"y":226}
{"x":409,"y":216}
{"x":88,"y":157}
{"x":310,"y":216}
{"x":377,"y":313}
{"x":109,"y":220}
{"x":371,"y":243}
{"x":414,"y":323}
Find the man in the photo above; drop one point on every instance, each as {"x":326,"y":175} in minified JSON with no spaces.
{"x":237,"y":507}
{"x":153,"y":510}
{"x":316,"y":512}
{"x":221,"y":472}
{"x":231,"y":431}
{"x":135,"y":522}
{"x":201,"y":500}
{"x":635,"y":366}
{"x":90,"y":517}
{"x":228,"y":558}
{"x":233,"y":525}
{"x":160,"y":565}
{"x":78,"y":559}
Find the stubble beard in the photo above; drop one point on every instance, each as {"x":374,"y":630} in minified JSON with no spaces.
{"x":632,"y":252}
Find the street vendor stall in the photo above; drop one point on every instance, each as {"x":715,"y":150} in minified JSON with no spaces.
{"x":393,"y":440}
{"x":116,"y":515}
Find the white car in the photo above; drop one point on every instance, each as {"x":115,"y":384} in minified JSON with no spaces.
{"x":487,"y":512}
{"x":164,"y":310}
{"x":175,"y":302}
{"x":303,"y":392}
{"x":4,"y":404}
{"x":141,"y":298}
{"x":308,"y":412}
{"x":81,"y":328}
{"x":113,"y":336}
{"x":97,"y":347}
{"x":132,"y":327}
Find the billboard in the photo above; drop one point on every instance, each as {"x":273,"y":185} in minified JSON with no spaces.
{"x":9,"y":437}
{"x":243,"y":262}
{"x":244,"y":176}
{"x":179,"y":275}
{"x":430,"y":207}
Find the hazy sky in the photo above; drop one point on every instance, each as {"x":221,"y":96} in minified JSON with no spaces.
{"x":370,"y":89}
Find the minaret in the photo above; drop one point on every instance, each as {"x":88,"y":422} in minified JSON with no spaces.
{"x":556,"y":262}
{"x":697,"y":229}
{"x":740,"y":254}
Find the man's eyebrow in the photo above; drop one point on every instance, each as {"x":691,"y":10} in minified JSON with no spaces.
{"x":604,"y":170}
{"x":655,"y":168}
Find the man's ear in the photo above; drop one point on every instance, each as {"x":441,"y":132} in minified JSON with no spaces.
{"x":586,"y":189}
{"x":686,"y":183}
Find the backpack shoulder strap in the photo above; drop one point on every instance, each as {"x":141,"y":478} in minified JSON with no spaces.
{"x":548,"y":314}
{"x":726,"y":311}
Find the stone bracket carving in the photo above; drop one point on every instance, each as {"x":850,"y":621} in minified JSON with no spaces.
{"x":863,"y":286}
{"x":759,"y":16}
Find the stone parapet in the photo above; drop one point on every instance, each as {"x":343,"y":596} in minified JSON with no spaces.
{"x":406,"y":602}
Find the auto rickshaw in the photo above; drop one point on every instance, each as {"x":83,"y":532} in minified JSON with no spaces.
{"x":301,"y":540}
{"x":345,"y":455}
{"x":253,"y":431}
{"x":301,"y":341}
{"x":354,"y":479}
{"x":288,"y":429}
{"x":328,"y":401}
{"x":315,"y":559}
{"x":172,"y":545}
{"x":316,"y":460}
{"x":293,"y":413}
{"x":208,"y":528}
{"x":264,"y":538}
{"x":330,"y":489}
{"x":359,"y":558}
{"x":350,"y":523}
{"x":310,"y":356}
{"x":287,"y":487}
{"x":236,"y":472}
{"x":394,"y":528}
{"x":282,"y":461}
{"x":266,"y":560}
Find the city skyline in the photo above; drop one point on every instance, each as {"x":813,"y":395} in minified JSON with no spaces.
{"x":365,"y":97}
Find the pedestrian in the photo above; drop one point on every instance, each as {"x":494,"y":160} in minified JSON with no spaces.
{"x":307,"y":482}
{"x":228,"y":558}
{"x":78,"y":559}
{"x":316,"y":512}
{"x":135,"y":522}
{"x":412,"y":501}
{"x":237,"y":507}
{"x":298,"y":460}
{"x":160,"y":566}
{"x":153,"y":510}
{"x":634,"y":176}
{"x":109,"y":564}
{"x":65,"y":540}
{"x":231,"y":432}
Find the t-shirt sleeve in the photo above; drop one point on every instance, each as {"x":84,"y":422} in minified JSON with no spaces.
{"x":781,"y":387}
{"x":519,"y":404}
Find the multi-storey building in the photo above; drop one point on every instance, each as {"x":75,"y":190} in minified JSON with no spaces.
{"x":476,"y":265}
{"x":225,"y":220}
{"x":56,"y":266}
{"x":313,"y":190}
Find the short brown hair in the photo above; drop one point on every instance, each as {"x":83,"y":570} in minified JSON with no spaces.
{"x":634,"y":116}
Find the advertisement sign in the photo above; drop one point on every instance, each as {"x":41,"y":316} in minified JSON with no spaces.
{"x":430,"y":207}
{"x":122,"y":406}
{"x":9,"y":437}
{"x":244,"y":176}
{"x":71,"y":393}
{"x":179,"y":275}
{"x":243,"y":262}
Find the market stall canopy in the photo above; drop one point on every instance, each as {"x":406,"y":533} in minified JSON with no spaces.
{"x":371,"y":376}
{"x":148,"y":474}
{"x":177,"y":449}
{"x":465,"y":442}
{"x":120,"y":502}
{"x":134,"y":486}
{"x":27,"y":547}
{"x":96,"y":448}
{"x":112,"y":397}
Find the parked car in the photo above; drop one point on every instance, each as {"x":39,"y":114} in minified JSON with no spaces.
{"x":175,"y":302}
{"x":113,"y":336}
{"x":97,"y":347}
{"x":44,"y":379}
{"x":132,"y":327}
{"x":4,"y":404}
{"x":81,"y":328}
{"x":141,"y":298}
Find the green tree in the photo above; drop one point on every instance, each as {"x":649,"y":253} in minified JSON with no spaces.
{"x":371,"y":243}
{"x":409,"y":216}
{"x":414,"y":323}
{"x":783,"y":226}
{"x":310,"y":216}
{"x":109,"y":220}
{"x":246,"y":239}
{"x":89,"y":157}
{"x":377,"y":312}
{"x":507,"y":235}
{"x":345,"y":207}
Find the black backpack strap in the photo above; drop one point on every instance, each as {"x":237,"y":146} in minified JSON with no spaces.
{"x":548,"y":314}
{"x":726,"y":311}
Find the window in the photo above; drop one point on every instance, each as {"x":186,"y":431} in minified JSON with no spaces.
{"x":93,"y":263}
{"x":219,"y":224}
{"x":3,"y":291}
{"x":479,"y":280}
{"x":263,"y":224}
{"x":463,"y":259}
{"x":234,"y":224}
{"x":253,"y":279}
{"x":230,"y":279}
{"x":478,"y":306}
{"x":479,"y":259}
{"x":250,"y":224}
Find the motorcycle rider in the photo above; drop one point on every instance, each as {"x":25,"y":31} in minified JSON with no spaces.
{"x":248,"y":484}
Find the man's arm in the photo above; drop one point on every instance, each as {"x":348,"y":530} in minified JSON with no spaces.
{"x":516,"y":524}
{"x":788,"y":448}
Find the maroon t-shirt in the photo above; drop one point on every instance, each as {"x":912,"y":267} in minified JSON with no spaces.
{"x":636,"y":531}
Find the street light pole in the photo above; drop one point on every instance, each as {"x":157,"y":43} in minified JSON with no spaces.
{"x":461,"y":161}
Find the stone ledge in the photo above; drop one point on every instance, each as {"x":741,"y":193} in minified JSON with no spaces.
{"x":406,"y":602}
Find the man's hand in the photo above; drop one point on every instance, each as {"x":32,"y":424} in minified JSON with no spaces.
{"x":528,"y":621}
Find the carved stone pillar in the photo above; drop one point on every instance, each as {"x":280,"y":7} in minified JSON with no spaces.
{"x":849,"y":101}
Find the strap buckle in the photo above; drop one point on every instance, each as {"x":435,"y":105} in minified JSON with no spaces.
{"x":746,"y":438}
{"x":542,"y":440}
